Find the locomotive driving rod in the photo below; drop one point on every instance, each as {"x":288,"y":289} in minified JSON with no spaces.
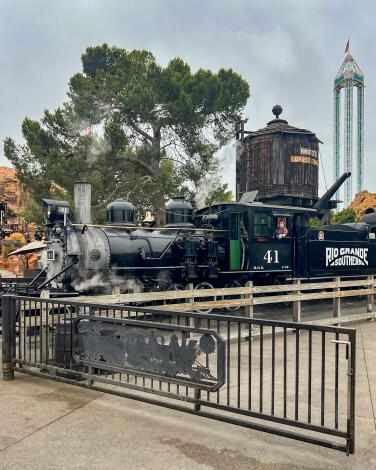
{"x":56,"y":275}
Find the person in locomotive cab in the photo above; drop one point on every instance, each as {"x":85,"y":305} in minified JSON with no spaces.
{"x":281,"y":231}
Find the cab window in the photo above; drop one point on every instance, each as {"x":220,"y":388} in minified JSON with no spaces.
{"x":262,"y":224}
{"x":281,"y":226}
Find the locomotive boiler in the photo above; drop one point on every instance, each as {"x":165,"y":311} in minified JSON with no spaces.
{"x":220,"y":245}
{"x":83,"y":256}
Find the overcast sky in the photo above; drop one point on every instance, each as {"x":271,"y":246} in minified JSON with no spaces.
{"x":289,"y":51}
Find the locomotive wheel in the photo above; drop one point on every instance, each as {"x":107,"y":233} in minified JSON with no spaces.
{"x":229,"y":297}
{"x":175,"y":287}
{"x":200,"y":286}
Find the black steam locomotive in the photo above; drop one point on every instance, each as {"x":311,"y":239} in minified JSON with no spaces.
{"x":221,"y":245}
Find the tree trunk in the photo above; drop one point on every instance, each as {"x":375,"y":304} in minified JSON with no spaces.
{"x":159,"y":197}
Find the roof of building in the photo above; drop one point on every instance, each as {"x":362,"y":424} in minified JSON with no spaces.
{"x":279,"y":125}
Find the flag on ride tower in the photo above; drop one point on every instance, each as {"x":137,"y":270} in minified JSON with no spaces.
{"x":347,"y":48}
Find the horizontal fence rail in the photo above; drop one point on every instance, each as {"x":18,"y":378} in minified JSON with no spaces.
{"x":249,"y":296}
{"x":291,"y":379}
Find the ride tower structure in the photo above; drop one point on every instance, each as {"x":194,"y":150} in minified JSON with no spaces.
{"x":349,"y":76}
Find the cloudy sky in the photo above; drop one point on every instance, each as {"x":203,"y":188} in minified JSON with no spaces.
{"x":288,"y":50}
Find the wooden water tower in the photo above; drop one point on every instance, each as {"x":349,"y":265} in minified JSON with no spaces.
{"x":280,"y":161}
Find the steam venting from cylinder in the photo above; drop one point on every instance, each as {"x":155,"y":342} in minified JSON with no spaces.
{"x":82,"y":202}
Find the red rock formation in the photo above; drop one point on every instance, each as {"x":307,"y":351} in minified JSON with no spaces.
{"x":363,"y":201}
{"x":10,"y":193}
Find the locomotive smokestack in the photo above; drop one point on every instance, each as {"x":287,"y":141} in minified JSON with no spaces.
{"x":82,"y":202}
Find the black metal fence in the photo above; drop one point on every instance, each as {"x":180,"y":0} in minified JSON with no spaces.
{"x":290,"y":379}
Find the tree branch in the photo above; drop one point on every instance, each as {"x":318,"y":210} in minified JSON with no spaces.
{"x":167,"y":145}
{"x":172,"y":160}
{"x":140,"y":163}
{"x":140,"y":131}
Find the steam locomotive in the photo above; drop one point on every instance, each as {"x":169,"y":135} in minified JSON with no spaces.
{"x":224,"y":244}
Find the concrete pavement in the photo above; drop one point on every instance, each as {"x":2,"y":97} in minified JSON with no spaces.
{"x":48,"y":425}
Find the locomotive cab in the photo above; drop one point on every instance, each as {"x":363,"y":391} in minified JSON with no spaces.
{"x":55,"y":211}
{"x":370,"y":219}
{"x":258,"y":238}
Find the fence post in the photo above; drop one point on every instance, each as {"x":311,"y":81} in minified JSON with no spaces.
{"x":43,"y":326}
{"x":197,"y":394}
{"x":297,"y":304}
{"x":351,"y":358}
{"x":116,"y":292}
{"x":8,"y":340}
{"x":337,"y":300}
{"x":189,"y":286}
{"x":248,"y":309}
{"x":370,"y":297}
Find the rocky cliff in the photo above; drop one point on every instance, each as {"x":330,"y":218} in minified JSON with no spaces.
{"x":363,"y":201}
{"x":10,"y":189}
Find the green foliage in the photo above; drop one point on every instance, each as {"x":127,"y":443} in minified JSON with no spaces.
{"x":156,"y":129}
{"x":344,"y":216}
{"x":32,"y":212}
{"x":314,"y":222}
{"x":221,"y":193}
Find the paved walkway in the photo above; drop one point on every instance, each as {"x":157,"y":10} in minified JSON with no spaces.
{"x":48,"y":425}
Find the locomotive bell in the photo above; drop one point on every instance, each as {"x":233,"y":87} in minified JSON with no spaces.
{"x":120,"y":212}
{"x":179,"y":212}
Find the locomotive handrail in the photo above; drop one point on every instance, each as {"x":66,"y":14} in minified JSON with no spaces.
{"x":142,"y":227}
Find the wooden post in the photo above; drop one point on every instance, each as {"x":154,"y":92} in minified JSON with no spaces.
{"x":370,"y":297}
{"x":248,"y":309}
{"x":297,"y":304}
{"x":116,"y":292}
{"x":190,"y":287}
{"x":337,"y":300}
{"x":189,"y":300}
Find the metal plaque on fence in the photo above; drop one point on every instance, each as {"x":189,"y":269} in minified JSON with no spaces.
{"x":180,"y":354}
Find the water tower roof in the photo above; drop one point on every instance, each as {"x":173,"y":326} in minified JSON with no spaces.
{"x":279,"y":125}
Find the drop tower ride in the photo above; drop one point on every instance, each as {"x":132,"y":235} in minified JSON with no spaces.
{"x":349,"y":76}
